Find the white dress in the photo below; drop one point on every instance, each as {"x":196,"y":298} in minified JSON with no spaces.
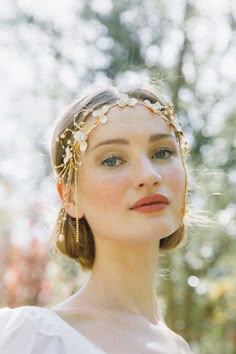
{"x":36,"y":330}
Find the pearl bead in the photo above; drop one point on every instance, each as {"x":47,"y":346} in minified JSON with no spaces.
{"x":61,"y":237}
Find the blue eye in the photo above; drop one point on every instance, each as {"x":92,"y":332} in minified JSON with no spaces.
{"x":112,"y":161}
{"x":163,"y":154}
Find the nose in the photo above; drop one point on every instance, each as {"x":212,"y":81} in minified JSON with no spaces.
{"x":146,"y":173}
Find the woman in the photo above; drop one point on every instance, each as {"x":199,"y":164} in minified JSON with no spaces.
{"x":121,"y":177}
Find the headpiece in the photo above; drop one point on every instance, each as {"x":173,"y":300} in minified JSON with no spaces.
{"x":74,"y":142}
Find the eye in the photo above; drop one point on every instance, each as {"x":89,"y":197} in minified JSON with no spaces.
{"x":163,"y":153}
{"x":112,"y":161}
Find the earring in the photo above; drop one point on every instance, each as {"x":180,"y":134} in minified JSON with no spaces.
{"x":76,"y":207}
{"x":61,"y":222}
{"x":184,"y":205}
{"x":60,"y":237}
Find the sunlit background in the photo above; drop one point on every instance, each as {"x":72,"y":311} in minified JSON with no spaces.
{"x":50,"y":52}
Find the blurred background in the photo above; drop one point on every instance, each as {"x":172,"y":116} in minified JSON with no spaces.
{"x":50,"y":52}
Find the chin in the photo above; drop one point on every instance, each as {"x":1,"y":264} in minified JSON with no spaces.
{"x":163,"y":230}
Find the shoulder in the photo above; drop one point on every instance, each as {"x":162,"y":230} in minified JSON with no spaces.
{"x":38,"y":317}
{"x":182,"y":345}
{"x":37,"y":330}
{"x":30,"y":328}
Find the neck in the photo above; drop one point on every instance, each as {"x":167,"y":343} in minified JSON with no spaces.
{"x":124,"y":278}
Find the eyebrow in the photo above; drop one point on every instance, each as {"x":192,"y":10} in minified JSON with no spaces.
{"x":119,"y":141}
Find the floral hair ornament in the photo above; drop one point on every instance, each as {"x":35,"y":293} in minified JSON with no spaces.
{"x":74,"y":142}
{"x":80,"y":134}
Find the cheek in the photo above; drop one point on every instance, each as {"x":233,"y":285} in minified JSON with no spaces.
{"x":104,"y":190}
{"x":175,"y":177}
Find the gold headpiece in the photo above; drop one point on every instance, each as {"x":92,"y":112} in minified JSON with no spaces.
{"x":74,"y":142}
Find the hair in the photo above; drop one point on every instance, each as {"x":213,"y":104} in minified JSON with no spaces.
{"x":84,"y":252}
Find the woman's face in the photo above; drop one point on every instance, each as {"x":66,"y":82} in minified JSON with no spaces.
{"x":134,"y":155}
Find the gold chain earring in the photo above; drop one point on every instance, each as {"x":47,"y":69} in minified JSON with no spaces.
{"x":184,"y":204}
{"x":76,"y":207}
{"x":60,"y":237}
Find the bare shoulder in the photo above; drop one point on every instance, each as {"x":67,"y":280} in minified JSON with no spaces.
{"x":124,"y":333}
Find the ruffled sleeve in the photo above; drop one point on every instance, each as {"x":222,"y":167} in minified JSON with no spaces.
{"x":37,"y":330}
{"x":27,"y":330}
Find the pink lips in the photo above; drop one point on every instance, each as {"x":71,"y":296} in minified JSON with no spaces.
{"x":150,"y":204}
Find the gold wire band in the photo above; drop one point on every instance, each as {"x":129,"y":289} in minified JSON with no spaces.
{"x":77,"y":142}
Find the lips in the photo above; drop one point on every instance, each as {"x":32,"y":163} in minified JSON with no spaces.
{"x":154,"y":199}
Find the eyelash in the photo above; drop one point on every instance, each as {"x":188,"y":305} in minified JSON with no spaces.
{"x":170,"y":151}
{"x":113,"y":156}
{"x":109,"y":158}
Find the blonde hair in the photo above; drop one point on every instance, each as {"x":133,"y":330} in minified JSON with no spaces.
{"x":84,"y":252}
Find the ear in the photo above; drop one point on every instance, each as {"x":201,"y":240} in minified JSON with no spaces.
{"x":70,"y":204}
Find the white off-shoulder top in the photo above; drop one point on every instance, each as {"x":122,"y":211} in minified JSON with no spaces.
{"x":37,"y":330}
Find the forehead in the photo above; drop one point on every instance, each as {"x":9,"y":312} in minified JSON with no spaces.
{"x":129,"y":122}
